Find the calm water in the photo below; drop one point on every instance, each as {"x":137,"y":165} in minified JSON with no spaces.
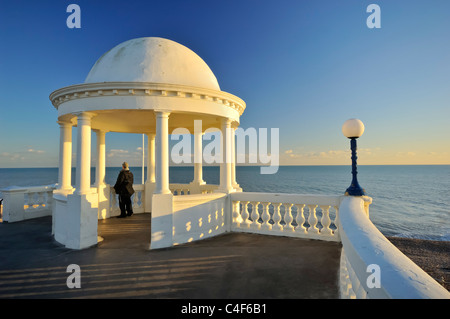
{"x":408,"y":201}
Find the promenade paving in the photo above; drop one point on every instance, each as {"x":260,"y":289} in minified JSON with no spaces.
{"x":229,"y":266}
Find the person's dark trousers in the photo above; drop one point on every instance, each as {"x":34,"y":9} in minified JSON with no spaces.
{"x":125,"y":205}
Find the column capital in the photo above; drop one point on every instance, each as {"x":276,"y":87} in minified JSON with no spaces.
{"x":162,"y":113}
{"x":226,"y":121}
{"x":64,"y":123}
{"x":84,"y":115}
{"x":100,"y":131}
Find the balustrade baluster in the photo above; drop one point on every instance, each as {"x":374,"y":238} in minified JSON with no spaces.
{"x":312,"y":219}
{"x":31,"y":200}
{"x":40,"y":201}
{"x":300,"y":219}
{"x":26,"y":197}
{"x":277,"y":217}
{"x":326,"y":221}
{"x":288,"y":217}
{"x":336,"y":218}
{"x":265,"y":216}
{"x":113,"y":201}
{"x":245,"y":215}
{"x":49,"y":198}
{"x":237,"y":218}
{"x":135,"y":200}
{"x":255,"y":216}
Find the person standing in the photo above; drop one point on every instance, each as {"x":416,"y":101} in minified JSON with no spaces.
{"x":124,"y":188}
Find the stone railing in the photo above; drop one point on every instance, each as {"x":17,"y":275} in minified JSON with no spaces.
{"x":137,"y":199}
{"x":179,"y":189}
{"x":304,"y":216}
{"x":371,"y":267}
{"x":188,"y":189}
{"x":21,"y":203}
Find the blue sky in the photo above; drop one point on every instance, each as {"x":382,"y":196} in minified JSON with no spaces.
{"x":301,"y":66}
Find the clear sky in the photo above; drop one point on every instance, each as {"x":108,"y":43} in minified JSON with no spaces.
{"x":301,"y":66}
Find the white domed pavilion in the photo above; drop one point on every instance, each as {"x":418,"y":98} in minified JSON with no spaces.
{"x":149,"y":86}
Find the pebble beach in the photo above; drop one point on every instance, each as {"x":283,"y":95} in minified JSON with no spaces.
{"x":430,"y":255}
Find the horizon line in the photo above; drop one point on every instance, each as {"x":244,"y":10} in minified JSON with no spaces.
{"x":248,"y":165}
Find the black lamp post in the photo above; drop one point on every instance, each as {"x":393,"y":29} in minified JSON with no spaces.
{"x":353,"y":129}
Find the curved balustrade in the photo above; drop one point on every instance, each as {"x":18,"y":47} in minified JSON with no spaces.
{"x":138,"y":197}
{"x":137,"y":200}
{"x":180,"y":189}
{"x":305,"y":216}
{"x":21,"y":203}
{"x":188,"y":189}
{"x":371,"y":267}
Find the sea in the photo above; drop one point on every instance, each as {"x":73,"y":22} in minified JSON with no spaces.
{"x":411,"y":201}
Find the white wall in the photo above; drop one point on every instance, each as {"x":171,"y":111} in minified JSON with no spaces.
{"x":200,"y":216}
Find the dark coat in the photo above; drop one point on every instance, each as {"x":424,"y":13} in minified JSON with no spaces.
{"x":124,"y":183}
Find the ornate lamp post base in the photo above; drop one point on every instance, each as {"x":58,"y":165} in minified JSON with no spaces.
{"x":354,"y":189}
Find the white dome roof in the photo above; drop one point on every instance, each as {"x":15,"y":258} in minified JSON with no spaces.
{"x":154,"y":60}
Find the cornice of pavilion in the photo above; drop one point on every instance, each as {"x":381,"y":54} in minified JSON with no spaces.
{"x":92,"y":90}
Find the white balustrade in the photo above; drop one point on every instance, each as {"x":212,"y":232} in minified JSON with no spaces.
{"x":188,"y":189}
{"x":21,"y":203}
{"x":343,"y":219}
{"x":283,"y":214}
{"x":137,"y":200}
{"x":371,"y":266}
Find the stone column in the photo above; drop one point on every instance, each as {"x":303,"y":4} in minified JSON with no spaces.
{"x":198,"y":158}
{"x":149,"y":185}
{"x":76,"y":222}
{"x":162,"y":199}
{"x":65,"y":156}
{"x":233,"y":160}
{"x":225,"y":167}
{"x":83,"y":173}
{"x":100,"y":167}
{"x":162,"y":153}
{"x":103,"y":189}
{"x":151,"y":158}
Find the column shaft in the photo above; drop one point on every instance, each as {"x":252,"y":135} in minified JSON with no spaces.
{"x":65,"y":156}
{"x":198,"y":157}
{"x":151,"y":158}
{"x":233,"y":156}
{"x":83,"y":175}
{"x":100,"y":168}
{"x":162,"y":153}
{"x":225,"y":166}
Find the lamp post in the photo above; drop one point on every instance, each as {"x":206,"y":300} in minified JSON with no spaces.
{"x":353,"y":129}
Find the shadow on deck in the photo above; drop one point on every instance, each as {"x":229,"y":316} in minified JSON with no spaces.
{"x":229,"y":266}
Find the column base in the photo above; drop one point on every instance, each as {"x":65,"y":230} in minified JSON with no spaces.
{"x":91,"y":190}
{"x":64,"y":191}
{"x":162,"y":221}
{"x":149,"y":188}
{"x":104,"y":193}
{"x":76,"y":220}
{"x":237,"y":188}
{"x":225,"y":190}
{"x":195,"y":187}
